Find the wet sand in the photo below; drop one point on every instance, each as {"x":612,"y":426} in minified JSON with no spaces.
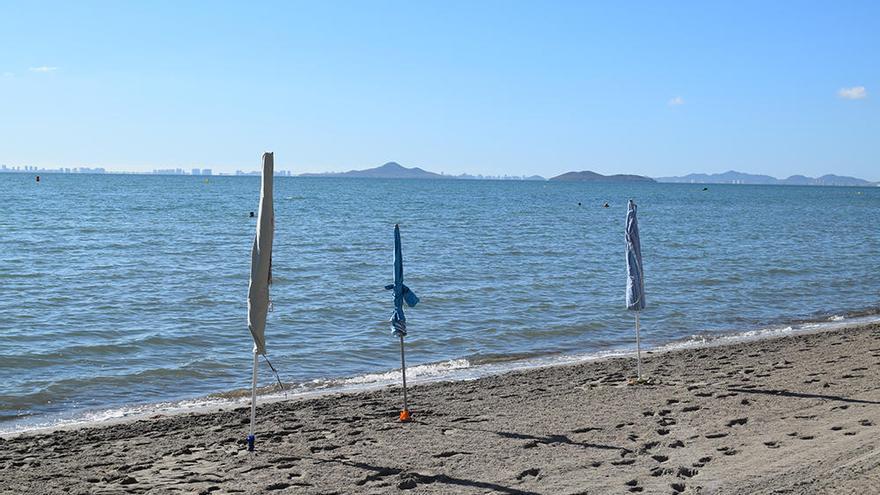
{"x":793,"y":415}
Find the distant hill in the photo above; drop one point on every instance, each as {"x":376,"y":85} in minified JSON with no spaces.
{"x":733,"y":177}
{"x":391,"y":170}
{"x":394,"y":170}
{"x":589,"y":176}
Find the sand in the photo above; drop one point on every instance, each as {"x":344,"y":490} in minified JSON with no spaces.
{"x":793,"y":415}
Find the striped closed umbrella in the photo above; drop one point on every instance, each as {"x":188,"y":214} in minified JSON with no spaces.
{"x":635,"y":280}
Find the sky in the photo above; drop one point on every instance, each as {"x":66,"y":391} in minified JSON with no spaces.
{"x":482,"y":87}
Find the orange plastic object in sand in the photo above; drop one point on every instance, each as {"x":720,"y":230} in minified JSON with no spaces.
{"x":405,"y":415}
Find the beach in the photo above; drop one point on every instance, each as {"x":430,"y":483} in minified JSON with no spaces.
{"x":797,"y":414}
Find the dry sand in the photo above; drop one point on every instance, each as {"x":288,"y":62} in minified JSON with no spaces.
{"x":798,"y":414}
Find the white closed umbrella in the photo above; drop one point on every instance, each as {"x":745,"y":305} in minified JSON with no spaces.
{"x":261,"y":278}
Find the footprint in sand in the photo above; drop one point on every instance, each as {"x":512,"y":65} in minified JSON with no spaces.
{"x":660,"y":471}
{"x":450,"y":453}
{"x":634,"y":486}
{"x":686,"y":472}
{"x":866,"y":422}
{"x":648,"y":446}
{"x":277,"y":486}
{"x":534,"y":472}
{"x":772,"y":444}
{"x":677,"y":487}
{"x":727,"y":450}
{"x":737,"y":422}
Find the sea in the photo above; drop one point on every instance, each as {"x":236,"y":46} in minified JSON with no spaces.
{"x":126,"y":295}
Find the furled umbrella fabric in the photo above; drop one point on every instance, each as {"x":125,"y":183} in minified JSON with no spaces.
{"x":635,"y":281}
{"x":261,"y":277}
{"x":635,"y":276}
{"x":402,"y":293}
{"x":261,"y":259}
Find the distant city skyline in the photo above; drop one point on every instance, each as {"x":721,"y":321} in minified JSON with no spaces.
{"x":492,"y":88}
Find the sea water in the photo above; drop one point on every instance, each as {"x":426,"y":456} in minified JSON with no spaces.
{"x":127,"y":293}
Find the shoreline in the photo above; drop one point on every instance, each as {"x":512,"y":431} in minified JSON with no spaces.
{"x":460,"y":369}
{"x":797,"y":413}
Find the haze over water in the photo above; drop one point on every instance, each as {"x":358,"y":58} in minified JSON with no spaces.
{"x":121,"y":290}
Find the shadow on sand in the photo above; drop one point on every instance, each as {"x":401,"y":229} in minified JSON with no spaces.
{"x":801,"y":395}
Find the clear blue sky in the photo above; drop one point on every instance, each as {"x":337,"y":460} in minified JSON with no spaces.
{"x":654,"y":88}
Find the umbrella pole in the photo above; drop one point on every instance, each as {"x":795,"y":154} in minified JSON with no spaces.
{"x":638,"y":349}
{"x":404,"y":414}
{"x":251,"y":438}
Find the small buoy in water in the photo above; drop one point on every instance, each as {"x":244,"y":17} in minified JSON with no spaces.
{"x":38,"y":178}
{"x":605,"y":205}
{"x":579,"y":203}
{"x":705,"y":188}
{"x":252,"y":214}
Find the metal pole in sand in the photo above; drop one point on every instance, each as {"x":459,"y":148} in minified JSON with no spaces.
{"x":638,"y":349}
{"x":404,"y":414}
{"x":251,"y":439}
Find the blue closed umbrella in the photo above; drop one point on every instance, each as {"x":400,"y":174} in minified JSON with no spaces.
{"x":635,"y":279}
{"x":402,"y":294}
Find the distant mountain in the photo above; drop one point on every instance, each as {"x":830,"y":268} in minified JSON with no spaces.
{"x":394,"y":170}
{"x":588,"y":176}
{"x":839,"y":180}
{"x":733,"y":177}
{"x":391,"y":170}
